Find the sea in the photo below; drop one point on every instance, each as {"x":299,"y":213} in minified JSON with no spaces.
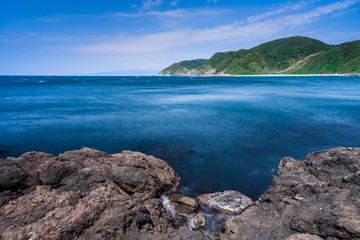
{"x":218,"y":133}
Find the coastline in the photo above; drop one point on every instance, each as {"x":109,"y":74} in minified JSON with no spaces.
{"x":270,"y":75}
{"x":89,"y":194}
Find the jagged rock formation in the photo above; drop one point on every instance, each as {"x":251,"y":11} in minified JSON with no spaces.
{"x":319,"y":196}
{"x":88,"y":194}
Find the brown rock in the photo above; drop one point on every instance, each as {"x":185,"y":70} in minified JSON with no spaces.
{"x":81,"y":195}
{"x":178,"y":198}
{"x":88,"y":194}
{"x":182,"y":204}
{"x":141,"y":175}
{"x":318,"y":196}
{"x":18,"y":176}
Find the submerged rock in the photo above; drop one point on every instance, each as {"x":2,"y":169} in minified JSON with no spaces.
{"x":230,"y":202}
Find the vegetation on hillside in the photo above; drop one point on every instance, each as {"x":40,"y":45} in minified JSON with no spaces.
{"x":294,"y":55}
{"x":182,"y":68}
{"x":344,"y":58}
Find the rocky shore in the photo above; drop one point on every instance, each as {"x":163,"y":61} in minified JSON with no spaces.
{"x":89,"y":194}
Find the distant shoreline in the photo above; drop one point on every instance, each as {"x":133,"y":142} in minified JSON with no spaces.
{"x":271,"y":75}
{"x":220,"y":75}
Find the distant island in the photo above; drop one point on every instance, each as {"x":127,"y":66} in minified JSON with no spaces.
{"x":293,"y":55}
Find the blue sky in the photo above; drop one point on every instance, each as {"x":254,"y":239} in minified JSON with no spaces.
{"x":141,"y":37}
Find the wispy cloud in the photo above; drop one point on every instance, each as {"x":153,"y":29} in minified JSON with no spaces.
{"x":338,"y":14}
{"x":275,"y":12}
{"x":148,"y":4}
{"x":257,"y":27}
{"x":314,"y":15}
{"x":177,"y":13}
{"x":174,"y":2}
{"x":35,"y":37}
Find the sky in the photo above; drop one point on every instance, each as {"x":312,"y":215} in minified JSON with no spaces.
{"x":141,"y":37}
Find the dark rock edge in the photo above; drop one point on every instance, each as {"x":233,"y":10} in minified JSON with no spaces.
{"x":89,"y":194}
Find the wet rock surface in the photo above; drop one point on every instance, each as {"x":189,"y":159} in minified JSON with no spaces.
{"x":198,"y":222}
{"x":88,"y":194}
{"x":182,"y":204}
{"x":229,"y":202}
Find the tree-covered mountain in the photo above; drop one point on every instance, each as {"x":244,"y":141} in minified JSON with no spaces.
{"x":182,"y":68}
{"x":343,"y":58}
{"x":294,"y":55}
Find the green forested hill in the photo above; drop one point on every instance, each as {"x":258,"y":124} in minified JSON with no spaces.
{"x":182,"y":68}
{"x":294,"y":55}
{"x":343,"y":58}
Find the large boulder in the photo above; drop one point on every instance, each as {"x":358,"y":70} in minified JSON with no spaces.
{"x":141,"y":175}
{"x":18,"y":176}
{"x":134,"y":174}
{"x":318,"y":196}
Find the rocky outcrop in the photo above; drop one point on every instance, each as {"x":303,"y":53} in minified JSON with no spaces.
{"x":88,"y":194}
{"x":319,"y":195}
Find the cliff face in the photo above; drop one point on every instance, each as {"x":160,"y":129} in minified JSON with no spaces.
{"x":88,"y":194}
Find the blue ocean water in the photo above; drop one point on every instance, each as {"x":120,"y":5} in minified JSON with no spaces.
{"x":218,"y":133}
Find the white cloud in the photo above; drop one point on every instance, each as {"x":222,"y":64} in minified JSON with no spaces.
{"x":275,"y":12}
{"x":148,"y":4}
{"x":174,"y":2}
{"x":177,"y":13}
{"x":159,"y":41}
{"x":255,"y":29}
{"x":338,"y":14}
{"x":312,"y":16}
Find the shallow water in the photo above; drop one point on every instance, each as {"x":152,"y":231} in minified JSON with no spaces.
{"x":218,"y":133}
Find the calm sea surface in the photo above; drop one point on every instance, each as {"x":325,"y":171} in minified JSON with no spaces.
{"x":218,"y":133}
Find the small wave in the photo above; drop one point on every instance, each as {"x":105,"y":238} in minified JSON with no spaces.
{"x":214,"y":219}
